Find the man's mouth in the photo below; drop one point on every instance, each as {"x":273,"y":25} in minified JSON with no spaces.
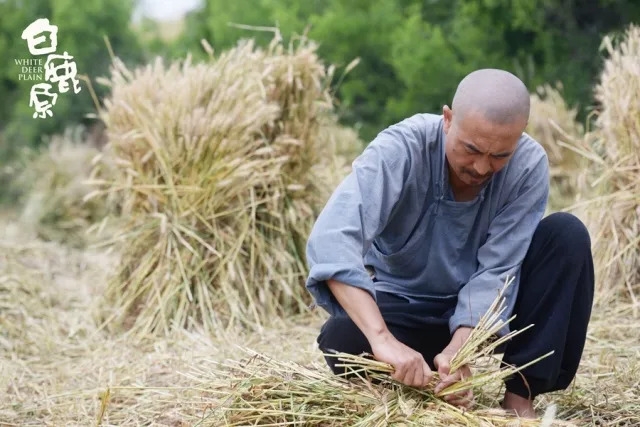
{"x":477,"y":178}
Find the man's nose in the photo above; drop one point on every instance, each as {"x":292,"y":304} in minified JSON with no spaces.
{"x":482,"y":167}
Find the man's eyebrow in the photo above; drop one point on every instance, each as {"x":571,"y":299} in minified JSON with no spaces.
{"x":472,"y":147}
{"x":503,"y":154}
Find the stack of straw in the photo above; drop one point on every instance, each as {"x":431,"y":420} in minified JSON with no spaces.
{"x":612,"y":212}
{"x":551,"y":123}
{"x":221,"y":170}
{"x":54,"y":187}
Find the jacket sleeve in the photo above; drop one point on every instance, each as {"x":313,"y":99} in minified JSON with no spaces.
{"x":355,"y":214}
{"x":501,"y":256}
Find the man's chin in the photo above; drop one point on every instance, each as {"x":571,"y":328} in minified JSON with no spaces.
{"x":475,"y":182}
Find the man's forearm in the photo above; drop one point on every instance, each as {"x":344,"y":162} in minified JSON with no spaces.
{"x":361,"y":308}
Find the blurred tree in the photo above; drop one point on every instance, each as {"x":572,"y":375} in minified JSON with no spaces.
{"x":413,"y":52}
{"x":345,"y":29}
{"x":430,"y":56}
{"x":556,"y":40}
{"x":349,"y":29}
{"x":213,"y":22}
{"x":82,"y":27}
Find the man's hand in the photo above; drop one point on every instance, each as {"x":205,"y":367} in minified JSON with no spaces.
{"x":409,"y":366}
{"x":462,"y":399}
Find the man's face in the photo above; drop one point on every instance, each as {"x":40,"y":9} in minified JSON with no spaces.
{"x":477,"y":148}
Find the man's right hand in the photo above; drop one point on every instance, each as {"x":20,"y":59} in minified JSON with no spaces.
{"x":409,"y":366}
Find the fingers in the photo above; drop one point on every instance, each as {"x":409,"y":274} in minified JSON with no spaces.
{"x":415,"y":375}
{"x":462,"y":400}
{"x":447,"y":380}
{"x":399,"y":372}
{"x":404,"y":372}
{"x":442,"y":364}
{"x":412,"y":371}
{"x":418,"y":377}
{"x":426,"y":374}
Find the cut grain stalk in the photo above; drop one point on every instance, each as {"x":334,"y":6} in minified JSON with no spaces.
{"x":265,"y":391}
{"x":611,"y":185}
{"x":480,"y":344}
{"x":270,"y":392}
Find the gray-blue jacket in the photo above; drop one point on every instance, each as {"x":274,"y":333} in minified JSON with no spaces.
{"x":396,"y":213}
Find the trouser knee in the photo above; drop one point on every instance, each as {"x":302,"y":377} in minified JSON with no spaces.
{"x":340,"y":334}
{"x":567,"y":232}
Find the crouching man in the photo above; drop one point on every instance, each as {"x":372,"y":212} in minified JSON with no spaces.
{"x":415,"y":243}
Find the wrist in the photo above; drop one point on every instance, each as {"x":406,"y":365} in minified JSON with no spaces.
{"x":377,"y":335}
{"x":458,"y":339}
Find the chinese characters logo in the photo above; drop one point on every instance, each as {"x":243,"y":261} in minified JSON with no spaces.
{"x":42,"y":39}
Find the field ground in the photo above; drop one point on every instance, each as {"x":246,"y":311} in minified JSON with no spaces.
{"x":56,"y":364}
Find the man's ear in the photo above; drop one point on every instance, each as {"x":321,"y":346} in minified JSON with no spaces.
{"x":448,"y":117}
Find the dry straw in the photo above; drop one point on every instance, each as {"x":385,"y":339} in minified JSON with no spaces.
{"x":612,"y":210}
{"x":221,"y":170}
{"x":551,"y":123}
{"x":53,"y":183}
{"x":263,"y":391}
{"x":56,"y":367}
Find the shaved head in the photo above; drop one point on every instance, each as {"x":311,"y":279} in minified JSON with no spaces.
{"x":490,"y":110}
{"x":497,"y":95}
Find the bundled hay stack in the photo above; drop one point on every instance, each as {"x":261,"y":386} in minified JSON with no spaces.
{"x":613,"y":214}
{"x":54,"y":184}
{"x":221,"y":170}
{"x":552,"y":122}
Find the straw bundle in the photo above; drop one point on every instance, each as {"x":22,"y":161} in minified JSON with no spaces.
{"x":263,"y":391}
{"x":552,"y":122}
{"x":221,"y":169}
{"x":54,"y":185}
{"x":613,"y":215}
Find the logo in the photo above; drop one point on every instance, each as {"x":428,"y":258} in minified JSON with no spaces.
{"x":59,"y":70}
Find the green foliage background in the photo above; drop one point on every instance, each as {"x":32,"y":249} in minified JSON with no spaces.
{"x":412,"y":52}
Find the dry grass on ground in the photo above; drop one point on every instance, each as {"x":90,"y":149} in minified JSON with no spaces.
{"x":58,"y":368}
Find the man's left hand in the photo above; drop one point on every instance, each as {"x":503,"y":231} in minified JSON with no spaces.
{"x":463,"y":399}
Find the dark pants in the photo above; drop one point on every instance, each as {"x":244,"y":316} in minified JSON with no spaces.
{"x":555,"y":294}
